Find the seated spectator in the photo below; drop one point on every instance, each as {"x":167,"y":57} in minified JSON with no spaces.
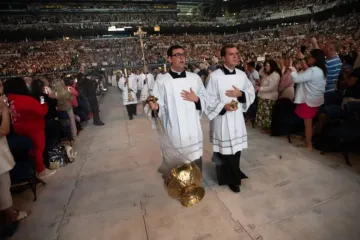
{"x":28,"y":119}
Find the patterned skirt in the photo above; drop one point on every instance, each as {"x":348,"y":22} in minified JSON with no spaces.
{"x":264,"y":113}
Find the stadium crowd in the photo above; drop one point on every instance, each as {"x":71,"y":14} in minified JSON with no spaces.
{"x":65,"y":55}
{"x":62,"y":21}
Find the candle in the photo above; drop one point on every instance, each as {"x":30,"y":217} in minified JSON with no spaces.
{"x":165,"y":67}
{"x":125,"y":72}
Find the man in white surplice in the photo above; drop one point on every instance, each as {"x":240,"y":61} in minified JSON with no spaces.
{"x":148,"y":82}
{"x":227,"y":129}
{"x":181,"y":100}
{"x":128,"y":86}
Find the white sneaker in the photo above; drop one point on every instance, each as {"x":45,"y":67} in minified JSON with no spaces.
{"x":46,"y":173}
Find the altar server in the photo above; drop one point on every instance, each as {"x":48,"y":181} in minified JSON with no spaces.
{"x":148,"y":82}
{"x":181,"y":100}
{"x":128,"y":86}
{"x":227,"y":129}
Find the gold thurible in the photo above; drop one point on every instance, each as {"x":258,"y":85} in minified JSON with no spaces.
{"x":183,"y":182}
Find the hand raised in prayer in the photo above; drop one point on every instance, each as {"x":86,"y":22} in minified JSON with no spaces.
{"x":300,"y":55}
{"x":233,"y":93}
{"x":228,"y":107}
{"x":189,"y":96}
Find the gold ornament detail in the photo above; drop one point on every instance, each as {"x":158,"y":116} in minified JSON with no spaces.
{"x":184,"y":184}
{"x":234,"y":104}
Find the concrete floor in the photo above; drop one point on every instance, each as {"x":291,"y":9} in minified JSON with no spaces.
{"x":113,"y":192}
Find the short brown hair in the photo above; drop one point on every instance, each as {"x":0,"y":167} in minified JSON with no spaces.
{"x":226,"y":46}
{"x":336,"y":45}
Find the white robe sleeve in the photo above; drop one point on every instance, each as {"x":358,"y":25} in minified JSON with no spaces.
{"x":151,"y":83}
{"x":206,"y":100}
{"x":134,"y":84}
{"x":121,"y":84}
{"x":159,"y":93}
{"x":249,"y":94}
{"x":214,"y":108}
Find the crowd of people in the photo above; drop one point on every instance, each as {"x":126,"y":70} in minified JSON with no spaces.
{"x":62,"y":21}
{"x":41,"y":118}
{"x":51,"y":56}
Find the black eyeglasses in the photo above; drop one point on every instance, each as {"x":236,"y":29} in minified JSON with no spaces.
{"x":179,"y":55}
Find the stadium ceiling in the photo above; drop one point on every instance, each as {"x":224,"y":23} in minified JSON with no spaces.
{"x":108,"y":1}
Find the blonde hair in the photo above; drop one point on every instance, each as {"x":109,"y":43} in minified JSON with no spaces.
{"x":62,"y":94}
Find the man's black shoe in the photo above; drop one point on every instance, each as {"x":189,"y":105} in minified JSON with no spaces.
{"x":99,"y":124}
{"x":234,"y":188}
{"x":131,"y":118}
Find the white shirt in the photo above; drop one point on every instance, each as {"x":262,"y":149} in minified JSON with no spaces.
{"x":253,"y":77}
{"x":7,"y":161}
{"x":140,"y":81}
{"x":310,"y":87}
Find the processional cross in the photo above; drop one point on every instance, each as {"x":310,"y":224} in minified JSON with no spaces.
{"x":140,"y":33}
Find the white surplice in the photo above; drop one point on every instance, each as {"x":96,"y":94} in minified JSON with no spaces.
{"x":132,"y":84}
{"x":113,"y":80}
{"x":147,"y":87}
{"x":180,"y":118}
{"x":158,"y":76}
{"x":228,"y":132}
{"x":139,"y":82}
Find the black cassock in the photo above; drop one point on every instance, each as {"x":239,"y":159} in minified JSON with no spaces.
{"x":227,"y":169}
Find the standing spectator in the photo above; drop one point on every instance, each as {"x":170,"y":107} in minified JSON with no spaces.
{"x":28,"y":118}
{"x":267,"y":94}
{"x":310,"y":90}
{"x":12,"y":216}
{"x":90,"y":92}
{"x":333,"y":67}
{"x":253,"y":75}
{"x":286,"y":86}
